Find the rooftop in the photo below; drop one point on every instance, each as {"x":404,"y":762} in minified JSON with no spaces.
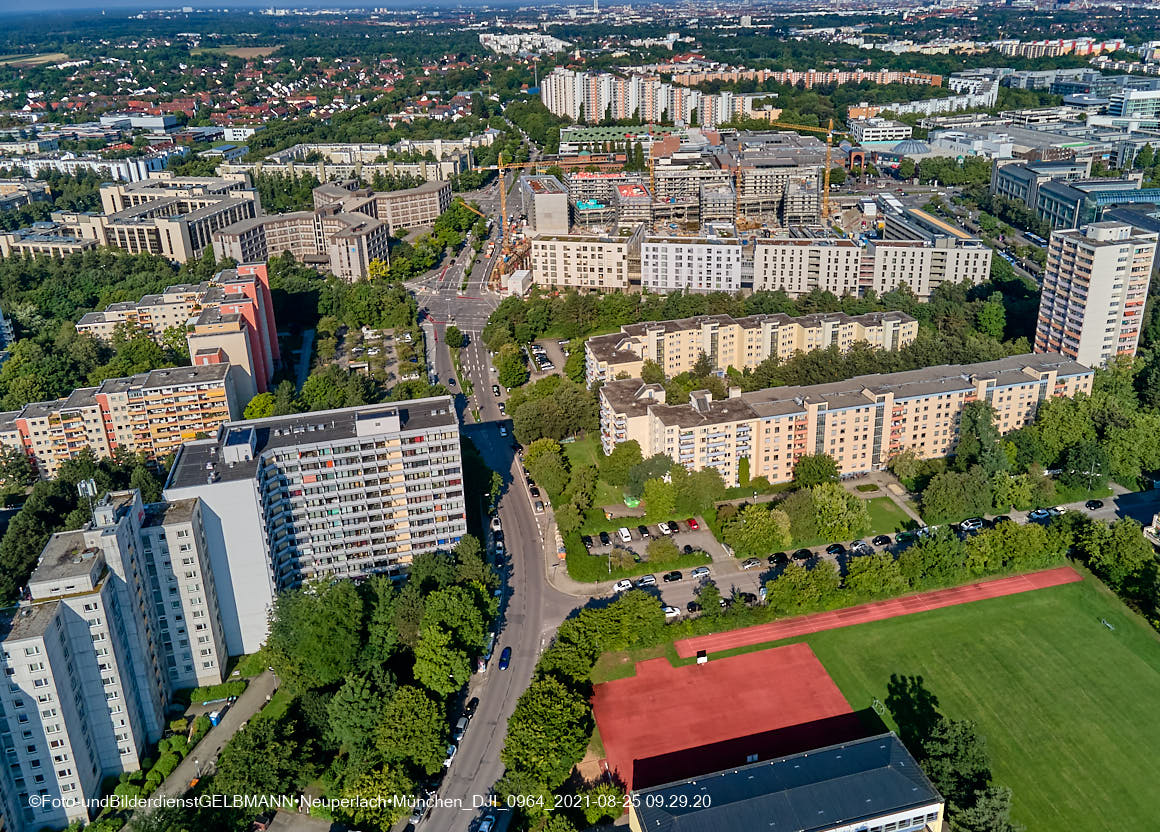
{"x":823,"y":789}
{"x":203,"y":461}
{"x":66,"y":555}
{"x":543,"y":185}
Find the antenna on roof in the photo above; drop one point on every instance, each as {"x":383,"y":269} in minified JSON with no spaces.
{"x":88,"y":488}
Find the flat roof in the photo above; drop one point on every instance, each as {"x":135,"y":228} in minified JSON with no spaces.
{"x":826,"y":788}
{"x":197,"y":461}
{"x":62,"y":558}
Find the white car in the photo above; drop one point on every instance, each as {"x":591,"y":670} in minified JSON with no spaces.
{"x":495,"y":524}
{"x":1057,"y":510}
{"x":665,"y":528}
{"x":647,"y":580}
{"x":671,"y":612}
{"x":971,"y":524}
{"x":700,"y":572}
{"x":624,"y":534}
{"x":622,"y":586}
{"x":451,"y":751}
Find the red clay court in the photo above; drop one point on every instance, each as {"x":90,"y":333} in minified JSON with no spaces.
{"x":877,"y":611}
{"x":667,"y":723}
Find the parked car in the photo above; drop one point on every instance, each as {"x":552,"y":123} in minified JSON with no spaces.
{"x":460,"y":729}
{"x":971,"y":524}
{"x":751,"y":563}
{"x":505,"y":658}
{"x":861,"y":547}
{"x":693,"y":606}
{"x":538,"y":507}
{"x":700,"y":572}
{"x":1039,"y":514}
{"x":803,"y":554}
{"x":495,"y":524}
{"x":605,"y":540}
{"x":671,"y":612}
{"x":646,"y":580}
{"x":624,"y":534}
{"x":1092,"y":505}
{"x":622,"y":586}
{"x":692,"y":523}
{"x":881,"y":540}
{"x":664,"y":527}
{"x":487,"y":824}
{"x":495,"y":390}
{"x":776,"y":558}
{"x":672,"y":577}
{"x":644,"y":535}
{"x":502,"y":409}
{"x":1057,"y":510}
{"x":587,"y":541}
{"x":835,"y":549}
{"x":1002,"y":518}
{"x":469,"y":708}
{"x":534,"y":491}
{"x":451,"y":750}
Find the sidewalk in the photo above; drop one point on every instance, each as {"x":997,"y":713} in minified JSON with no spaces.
{"x":203,"y":757}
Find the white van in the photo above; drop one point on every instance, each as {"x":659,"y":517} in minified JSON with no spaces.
{"x":625,"y":534}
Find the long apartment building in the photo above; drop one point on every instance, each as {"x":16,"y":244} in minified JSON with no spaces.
{"x":862,"y":422}
{"x":116,"y":617}
{"x":1095,"y":285}
{"x":707,"y":263}
{"x":600,"y":262}
{"x":740,"y":343}
{"x":229,"y":319}
{"x":152,"y":413}
{"x":333,"y":494}
{"x":348,"y":228}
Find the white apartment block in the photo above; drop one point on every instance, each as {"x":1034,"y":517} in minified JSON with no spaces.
{"x":861,"y":422}
{"x":691,"y":264}
{"x":740,"y":343}
{"x":95,"y":653}
{"x":1095,"y":286}
{"x":587,"y":261}
{"x":867,"y":130}
{"x":799,"y":265}
{"x":332,"y":494}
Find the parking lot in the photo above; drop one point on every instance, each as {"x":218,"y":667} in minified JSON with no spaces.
{"x":546,"y":350}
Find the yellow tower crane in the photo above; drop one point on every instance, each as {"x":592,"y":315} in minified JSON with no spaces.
{"x":503,"y":167}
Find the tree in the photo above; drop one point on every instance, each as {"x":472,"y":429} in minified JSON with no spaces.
{"x":1119,"y":553}
{"x":662,"y":551}
{"x":798,"y":589}
{"x":991,"y":319}
{"x":1085,"y":465}
{"x":951,"y":496}
{"x":353,"y":712}
{"x":511,"y":367}
{"x":660,"y":499}
{"x":413,"y":731}
{"x":260,"y":407}
{"x":377,"y":799}
{"x":440,"y":666}
{"x":954,"y":757}
{"x":702,"y":367}
{"x":455,"y":609}
{"x":548,"y":732}
{"x":263,"y":759}
{"x":321,"y":613}
{"x":568,"y":518}
{"x":876,"y":575}
{"x":906,"y":168}
{"x":814,"y":470}
{"x":839,"y":514}
{"x":615,"y":467}
{"x":991,"y":812}
{"x":757,"y":530}
{"x":709,"y":597}
{"x":454,"y":337}
{"x":545,"y":461}
{"x":979,"y":439}
{"x":651,"y":373}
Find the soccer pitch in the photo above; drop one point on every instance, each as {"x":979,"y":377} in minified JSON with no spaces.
{"x":1068,"y":705}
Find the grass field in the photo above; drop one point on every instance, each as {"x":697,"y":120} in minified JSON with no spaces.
{"x":1068,"y":706}
{"x":586,"y":451}
{"x":886,"y":517}
{"x":32,"y":58}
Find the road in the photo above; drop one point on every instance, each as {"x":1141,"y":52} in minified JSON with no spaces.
{"x":303,"y":369}
{"x":204,"y":756}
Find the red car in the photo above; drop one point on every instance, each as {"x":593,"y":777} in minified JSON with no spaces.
{"x":692,"y":524}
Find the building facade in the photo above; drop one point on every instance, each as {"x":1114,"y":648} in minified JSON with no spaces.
{"x":861,"y":422}
{"x":1095,"y":285}
{"x":588,"y":261}
{"x":118,"y":616}
{"x":545,"y":203}
{"x":333,"y":494}
{"x":152,"y":413}
{"x":710,"y":263}
{"x":740,"y":343}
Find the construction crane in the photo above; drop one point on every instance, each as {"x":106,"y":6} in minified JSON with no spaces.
{"x":503,"y":167}
{"x":470,"y":207}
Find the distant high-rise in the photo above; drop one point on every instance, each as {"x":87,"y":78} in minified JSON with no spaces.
{"x":1094,"y":289}
{"x":596,"y":6}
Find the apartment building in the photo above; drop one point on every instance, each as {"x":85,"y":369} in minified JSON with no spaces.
{"x":152,"y":413}
{"x":332,"y":494}
{"x":588,"y":261}
{"x":229,"y":319}
{"x":740,"y":343}
{"x":43,"y":239}
{"x":872,"y":784}
{"x":799,"y":264}
{"x":431,"y":160}
{"x":868,"y":130}
{"x":861,"y":422}
{"x":545,"y":203}
{"x":117,"y":617}
{"x":707,"y":263}
{"x":1095,"y":285}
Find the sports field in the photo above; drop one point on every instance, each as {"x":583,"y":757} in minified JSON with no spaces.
{"x":1068,"y":706}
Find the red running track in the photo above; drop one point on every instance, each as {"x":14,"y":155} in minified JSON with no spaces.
{"x":877,"y":611}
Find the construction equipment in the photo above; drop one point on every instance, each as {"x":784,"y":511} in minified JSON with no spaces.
{"x":470,"y":207}
{"x":504,"y":246}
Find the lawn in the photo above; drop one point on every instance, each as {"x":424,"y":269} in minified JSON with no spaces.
{"x":886,"y":517}
{"x":587,"y":451}
{"x":1067,"y":706}
{"x":594,"y":568}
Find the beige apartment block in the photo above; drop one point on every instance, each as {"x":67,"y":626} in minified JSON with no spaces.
{"x":587,"y":261}
{"x":861,"y":422}
{"x":1095,"y":286}
{"x":740,"y":343}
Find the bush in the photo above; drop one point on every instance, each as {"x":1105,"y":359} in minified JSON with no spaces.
{"x":165,"y":766}
{"x":180,"y":726}
{"x":222,"y":691}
